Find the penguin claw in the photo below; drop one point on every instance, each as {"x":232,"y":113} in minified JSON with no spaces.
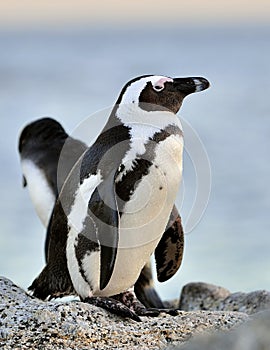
{"x":150,"y":312}
{"x":113,"y":306}
{"x":154,"y":312}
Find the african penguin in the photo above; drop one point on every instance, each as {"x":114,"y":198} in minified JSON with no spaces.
{"x":114,"y":207}
{"x":41,"y":144}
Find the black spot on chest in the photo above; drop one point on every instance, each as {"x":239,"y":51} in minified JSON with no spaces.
{"x":126,"y":187}
{"x":141,"y":165}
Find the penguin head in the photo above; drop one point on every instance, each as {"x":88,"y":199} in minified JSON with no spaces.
{"x":157,"y":93}
{"x":40,"y":133}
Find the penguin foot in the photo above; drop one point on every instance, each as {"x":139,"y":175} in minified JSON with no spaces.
{"x":126,"y":305}
{"x":129,"y":299}
{"x":114,"y":306}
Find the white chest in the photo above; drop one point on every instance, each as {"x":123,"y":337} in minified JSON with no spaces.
{"x":141,"y":225}
{"x":146,"y":215}
{"x":40,"y":192}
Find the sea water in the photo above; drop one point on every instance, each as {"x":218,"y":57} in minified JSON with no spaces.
{"x":72,"y":73}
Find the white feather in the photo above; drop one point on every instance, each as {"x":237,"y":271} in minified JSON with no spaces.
{"x":143,"y":125}
{"x":79,"y":207}
{"x":76,"y":219}
{"x":40,"y":192}
{"x":198,"y":85}
{"x":134,"y":90}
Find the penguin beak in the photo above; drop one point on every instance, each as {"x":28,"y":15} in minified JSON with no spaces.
{"x":190,"y":85}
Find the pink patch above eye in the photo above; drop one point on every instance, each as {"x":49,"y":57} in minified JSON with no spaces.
{"x":160,"y":83}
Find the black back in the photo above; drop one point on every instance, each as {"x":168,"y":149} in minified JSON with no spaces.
{"x":42,"y":141}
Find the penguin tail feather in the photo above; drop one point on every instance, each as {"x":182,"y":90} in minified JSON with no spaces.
{"x":49,"y":285}
{"x":149,"y":297}
{"x":40,"y":286}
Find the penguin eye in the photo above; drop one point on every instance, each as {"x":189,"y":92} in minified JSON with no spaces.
{"x":158,"y":88}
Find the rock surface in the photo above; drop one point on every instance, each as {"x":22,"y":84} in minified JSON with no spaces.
{"x":203,"y":296}
{"x":28,"y":323}
{"x":253,"y":335}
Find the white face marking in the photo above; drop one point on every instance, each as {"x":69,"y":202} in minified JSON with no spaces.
{"x":129,"y":112}
{"x":143,"y":124}
{"x":76,"y":219}
{"x":160,"y":84}
{"x":133,"y":92}
{"x":41,"y":194}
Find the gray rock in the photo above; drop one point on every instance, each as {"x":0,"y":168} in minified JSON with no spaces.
{"x":253,"y":335}
{"x":28,"y":323}
{"x":203,"y":296}
{"x":249,"y":303}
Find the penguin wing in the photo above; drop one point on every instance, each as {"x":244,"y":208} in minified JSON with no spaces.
{"x":104,"y":211}
{"x":66,"y":158}
{"x":169,"y":252}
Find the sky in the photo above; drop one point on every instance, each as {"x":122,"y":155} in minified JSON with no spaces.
{"x":93,"y":12}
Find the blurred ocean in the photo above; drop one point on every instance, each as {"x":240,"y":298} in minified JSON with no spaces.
{"x":70,"y":74}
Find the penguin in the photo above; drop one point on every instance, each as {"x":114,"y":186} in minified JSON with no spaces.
{"x":113,"y":208}
{"x":40,"y":145}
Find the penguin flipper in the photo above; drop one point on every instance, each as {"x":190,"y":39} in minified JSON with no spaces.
{"x":103,"y":204}
{"x":169,"y":252}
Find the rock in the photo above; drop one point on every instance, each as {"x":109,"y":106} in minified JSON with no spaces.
{"x":253,"y":335}
{"x":249,"y":303}
{"x":203,"y":296}
{"x":28,"y":323}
